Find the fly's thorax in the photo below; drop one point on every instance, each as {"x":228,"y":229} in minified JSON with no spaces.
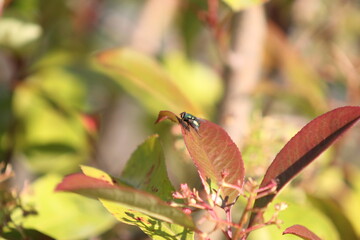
{"x":185,"y":115}
{"x":190,"y":120}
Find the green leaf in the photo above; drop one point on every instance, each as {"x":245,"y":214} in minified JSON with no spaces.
{"x":144,"y":79}
{"x":153,"y":227}
{"x":129,"y":197}
{"x":238,"y":5}
{"x":55,"y":210}
{"x":146,"y":170}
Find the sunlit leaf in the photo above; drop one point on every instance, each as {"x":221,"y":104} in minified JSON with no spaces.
{"x":302,"y":232}
{"x":306,"y":145}
{"x":143,"y":78}
{"x":97,"y":173}
{"x":146,"y":171}
{"x":133,"y":199}
{"x":237,"y":5}
{"x":153,"y":227}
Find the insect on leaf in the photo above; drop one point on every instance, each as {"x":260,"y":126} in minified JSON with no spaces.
{"x":216,"y":157}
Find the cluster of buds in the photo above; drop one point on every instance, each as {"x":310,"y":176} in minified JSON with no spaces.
{"x":190,"y":197}
{"x":250,"y":190}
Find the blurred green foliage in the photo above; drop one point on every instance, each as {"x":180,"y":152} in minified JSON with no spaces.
{"x":57,"y":209}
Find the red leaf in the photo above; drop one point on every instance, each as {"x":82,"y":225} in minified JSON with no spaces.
{"x":214,"y":153}
{"x":80,"y":181}
{"x":305,"y":146}
{"x":302,"y":232}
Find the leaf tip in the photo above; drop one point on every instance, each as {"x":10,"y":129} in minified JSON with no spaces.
{"x":163,"y":115}
{"x":302,"y":232}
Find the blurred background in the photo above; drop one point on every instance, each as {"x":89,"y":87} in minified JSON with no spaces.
{"x":82,"y":82}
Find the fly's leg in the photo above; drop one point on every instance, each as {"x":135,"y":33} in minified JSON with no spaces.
{"x":183,"y":123}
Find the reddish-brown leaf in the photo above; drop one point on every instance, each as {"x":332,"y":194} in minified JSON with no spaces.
{"x":305,"y":146}
{"x":302,"y":232}
{"x":78,"y":181}
{"x":163,"y":115}
{"x":215,"y":154}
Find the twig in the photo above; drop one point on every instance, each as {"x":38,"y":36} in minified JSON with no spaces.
{"x":154,"y":20}
{"x":244,"y":69}
{"x":2,"y":4}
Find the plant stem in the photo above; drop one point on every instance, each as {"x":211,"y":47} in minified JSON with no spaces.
{"x":245,"y":215}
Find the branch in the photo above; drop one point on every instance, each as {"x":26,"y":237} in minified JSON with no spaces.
{"x":244,"y":63}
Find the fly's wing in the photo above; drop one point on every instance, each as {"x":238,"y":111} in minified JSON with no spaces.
{"x":183,"y":123}
{"x":197,"y":123}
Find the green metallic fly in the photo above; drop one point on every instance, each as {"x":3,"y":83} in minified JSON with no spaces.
{"x":189,"y":120}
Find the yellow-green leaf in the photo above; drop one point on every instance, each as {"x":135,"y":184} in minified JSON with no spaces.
{"x":145,"y":79}
{"x":237,"y":5}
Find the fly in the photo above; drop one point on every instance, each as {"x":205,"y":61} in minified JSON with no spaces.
{"x":189,"y":120}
